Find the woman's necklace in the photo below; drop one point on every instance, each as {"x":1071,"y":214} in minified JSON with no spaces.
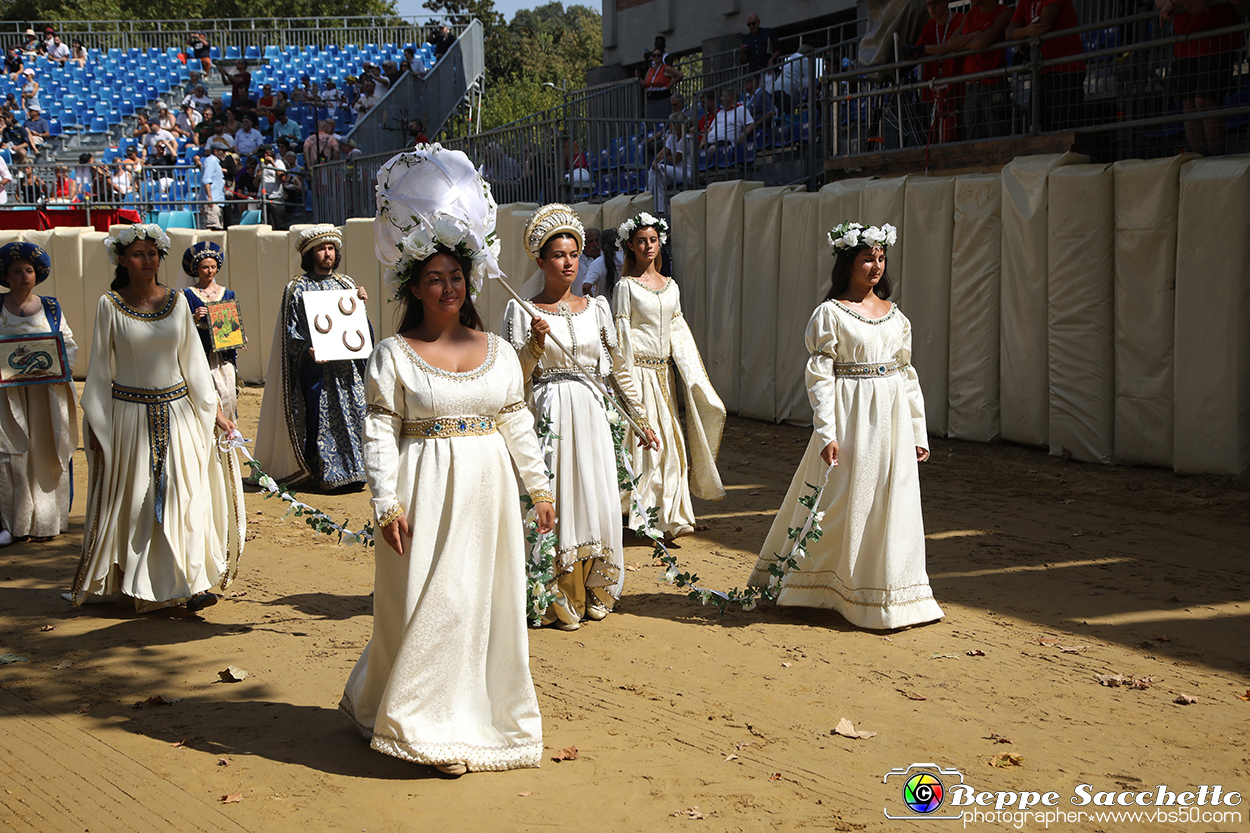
{"x":18,"y":309}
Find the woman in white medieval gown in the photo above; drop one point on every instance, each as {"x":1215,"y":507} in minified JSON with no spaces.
{"x":589,"y":557}
{"x":38,"y":422}
{"x":445,"y":680}
{"x":868,"y":435}
{"x":655,"y":340}
{"x":165,"y":522}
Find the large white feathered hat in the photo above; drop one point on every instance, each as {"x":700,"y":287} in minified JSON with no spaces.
{"x":429,"y":183}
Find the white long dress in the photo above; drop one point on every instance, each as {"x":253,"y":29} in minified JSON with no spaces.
{"x":655,"y":340}
{"x":38,"y":435}
{"x":869,"y":564}
{"x":165,"y":517}
{"x":445,"y":678}
{"x":590,"y":559}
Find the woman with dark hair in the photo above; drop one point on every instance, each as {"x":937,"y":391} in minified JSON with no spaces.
{"x":589,"y":557}
{"x":603,"y":273}
{"x":40,"y":421}
{"x":165,"y":521}
{"x":655,"y":341}
{"x":445,"y":679}
{"x":201,"y":263}
{"x":868,"y":436}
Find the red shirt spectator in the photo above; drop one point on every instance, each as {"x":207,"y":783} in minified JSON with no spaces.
{"x":1215,"y":17}
{"x":935,"y":33}
{"x":1054,"y":15}
{"x":977,"y":20}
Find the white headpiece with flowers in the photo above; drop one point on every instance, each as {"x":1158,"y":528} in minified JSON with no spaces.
{"x":432,"y":198}
{"x":849,"y":235}
{"x":643,"y":220}
{"x":131,"y":233}
{"x":441,"y":232}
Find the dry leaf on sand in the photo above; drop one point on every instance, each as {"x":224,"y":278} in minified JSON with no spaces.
{"x":690,"y":813}
{"x":63,"y":664}
{"x":911,"y":695}
{"x":975,"y":652}
{"x":1005,"y":759}
{"x":1185,"y":699}
{"x":157,"y":701}
{"x":83,"y":709}
{"x":997,"y":738}
{"x":47,"y":628}
{"x":524,"y":793}
{"x":1245,"y":696}
{"x":232,"y":798}
{"x":569,"y":753}
{"x":847,"y":730}
{"x":776,"y":776}
{"x":232,"y":674}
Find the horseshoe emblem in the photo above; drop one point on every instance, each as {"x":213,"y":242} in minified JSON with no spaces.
{"x":317,"y":324}
{"x":359,"y":346}
{"x":347,"y":310}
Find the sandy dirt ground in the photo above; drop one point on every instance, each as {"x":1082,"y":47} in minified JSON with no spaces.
{"x":1050,"y":573}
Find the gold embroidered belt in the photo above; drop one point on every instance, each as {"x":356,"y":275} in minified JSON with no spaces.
{"x":443,"y":427}
{"x":157,"y":402}
{"x":868,"y":370}
{"x":653,"y":362}
{"x":545,"y":376}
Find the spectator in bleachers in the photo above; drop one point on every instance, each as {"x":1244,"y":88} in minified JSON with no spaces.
{"x":709,"y":113}
{"x":375,"y":72}
{"x":321,"y":146}
{"x":220,"y":138}
{"x":27,"y":186}
{"x":58,"y":51}
{"x":794,"y":78}
{"x":390,"y":70}
{"x":576,"y":162}
{"x":49,"y":39}
{"x":1062,"y":86}
{"x":591,"y":249}
{"x":945,"y":99}
{"x":122,"y":181}
{"x":292,"y":189}
{"x":213,"y":184}
{"x":155,"y":134}
{"x":164,"y":155}
{"x":283,"y":127}
{"x":165,"y":119}
{"x":416,"y":131}
{"x":206,"y":128}
{"x":368,"y":97}
{"x":31,"y":46}
{"x":266,"y":97}
{"x":240,"y":82}
{"x":201,"y":51}
{"x":14,"y":135}
{"x":88,"y":176}
{"x":331,"y":97}
{"x":732,"y":124}
{"x":985,"y":101}
{"x":248,"y":139}
{"x":78,"y":52}
{"x":759,"y":103}
{"x":412,"y":62}
{"x":1202,"y":68}
{"x":38,"y":131}
{"x":64,"y":187}
{"x":441,"y":39}
{"x":13,"y":63}
{"x":759,"y":46}
{"x":198,"y":98}
{"x":133,"y":161}
{"x":5,"y":178}
{"x":10,"y":104}
{"x":186,"y":123}
{"x":302,"y":92}
{"x":246,"y":183}
{"x":30,"y":90}
{"x":657,"y":83}
{"x":272,"y":172}
{"x":674,"y":164}
{"x":231,"y":120}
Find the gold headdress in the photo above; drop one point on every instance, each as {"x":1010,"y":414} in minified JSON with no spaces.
{"x":548,"y":221}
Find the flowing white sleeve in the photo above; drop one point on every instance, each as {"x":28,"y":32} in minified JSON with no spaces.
{"x":384,"y":402}
{"x":622,"y":312}
{"x":911,"y":384}
{"x":622,"y":377}
{"x":97,"y":392}
{"x":516,"y":331}
{"x":515,"y":422}
{"x":194,"y":365}
{"x":71,"y":346}
{"x":822,"y":344}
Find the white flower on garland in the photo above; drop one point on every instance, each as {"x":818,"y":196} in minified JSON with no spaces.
{"x":440,"y":232}
{"x":136,"y":231}
{"x":850,"y":235}
{"x":643,"y":220}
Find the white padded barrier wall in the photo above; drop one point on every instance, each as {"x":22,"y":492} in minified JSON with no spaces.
{"x":617,"y":210}
{"x":723,"y":296}
{"x":882,"y":201}
{"x":1212,"y":416}
{"x":360,"y":262}
{"x":66,"y":254}
{"x":260,"y":297}
{"x":803,"y":282}
{"x":1023,"y":385}
{"x":1080,"y":288}
{"x":591,"y":214}
{"x":976,"y":279}
{"x":761,"y":213}
{"x":1146,"y":196}
{"x":513,"y":261}
{"x":688,"y":229}
{"x":839,"y":202}
{"x":930,"y":218}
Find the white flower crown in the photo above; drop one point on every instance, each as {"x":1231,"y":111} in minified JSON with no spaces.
{"x":136,"y":231}
{"x":849,"y":235}
{"x":446,"y":233}
{"x":643,"y":220}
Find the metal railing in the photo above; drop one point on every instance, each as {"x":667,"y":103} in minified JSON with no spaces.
{"x":238,"y":33}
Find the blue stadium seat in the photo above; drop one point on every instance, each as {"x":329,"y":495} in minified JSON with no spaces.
{"x":97,"y":125}
{"x":232,"y":53}
{"x":214,"y":53}
{"x":250,"y":218}
{"x":273,"y":53}
{"x":181,"y":219}
{"x":252,"y":53}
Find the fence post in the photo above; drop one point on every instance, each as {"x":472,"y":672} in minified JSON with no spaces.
{"x":812,"y":109}
{"x":1035,"y":86}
